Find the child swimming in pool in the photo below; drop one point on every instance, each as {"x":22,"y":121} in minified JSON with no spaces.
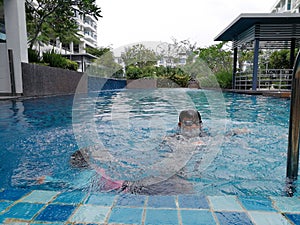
{"x":180,"y":147}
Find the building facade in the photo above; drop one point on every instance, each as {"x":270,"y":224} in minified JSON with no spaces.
{"x":13,"y":46}
{"x":286,"y":6}
{"x":88,"y":31}
{"x":76,"y":51}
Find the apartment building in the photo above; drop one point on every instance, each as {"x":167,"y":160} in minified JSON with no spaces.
{"x":13,"y":46}
{"x":286,"y":6}
{"x":76,"y":51}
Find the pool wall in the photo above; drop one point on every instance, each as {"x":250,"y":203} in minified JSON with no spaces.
{"x":41,"y":80}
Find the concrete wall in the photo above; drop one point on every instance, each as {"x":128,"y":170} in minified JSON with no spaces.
{"x":142,"y":84}
{"x":5,"y":85}
{"x":44,"y":81}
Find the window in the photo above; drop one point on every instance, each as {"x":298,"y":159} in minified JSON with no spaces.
{"x":66,"y":46}
{"x":289,"y":5}
{"x":2,"y":23}
{"x":76,"y":48}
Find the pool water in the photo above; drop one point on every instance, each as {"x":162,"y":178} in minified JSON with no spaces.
{"x":246,"y":146}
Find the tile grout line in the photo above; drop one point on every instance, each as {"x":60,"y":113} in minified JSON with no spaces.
{"x":44,"y":207}
{"x":178,"y":210}
{"x":144,"y":210}
{"x":279,"y":211}
{"x":14,"y":203}
{"x":110,"y":209}
{"x":246,"y":211}
{"x":212,"y":211}
{"x":81,"y":203}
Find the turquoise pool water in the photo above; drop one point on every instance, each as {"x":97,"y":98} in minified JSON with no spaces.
{"x":246,"y":147}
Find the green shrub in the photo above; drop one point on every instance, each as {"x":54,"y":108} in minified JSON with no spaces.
{"x":71,"y":65}
{"x":224,"y":79}
{"x":33,"y":56}
{"x":56,"y":60}
{"x":133,"y":72}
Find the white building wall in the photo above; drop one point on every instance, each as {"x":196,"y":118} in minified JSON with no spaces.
{"x":284,"y":6}
{"x":16,"y":37}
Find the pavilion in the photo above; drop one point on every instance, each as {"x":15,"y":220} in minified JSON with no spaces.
{"x":262,"y":31}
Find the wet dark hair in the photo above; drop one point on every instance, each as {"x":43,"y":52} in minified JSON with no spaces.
{"x":79,"y":159}
{"x":191,"y":114}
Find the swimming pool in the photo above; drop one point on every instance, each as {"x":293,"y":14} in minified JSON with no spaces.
{"x":39,"y":135}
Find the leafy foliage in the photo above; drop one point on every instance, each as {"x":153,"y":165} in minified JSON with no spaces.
{"x":280,"y":59}
{"x":105,"y":66}
{"x":56,"y":60}
{"x":216,"y":57}
{"x":33,"y":56}
{"x":98,"y":52}
{"x":51,"y":19}
{"x":138,"y":55}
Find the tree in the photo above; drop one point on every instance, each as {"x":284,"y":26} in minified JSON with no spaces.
{"x":51,"y":19}
{"x":280,"y":59}
{"x":173,"y":52}
{"x":244,"y":57}
{"x":98,"y":52}
{"x":219,"y":61}
{"x":138,"y":55}
{"x":105,"y":66}
{"x":217,"y":58}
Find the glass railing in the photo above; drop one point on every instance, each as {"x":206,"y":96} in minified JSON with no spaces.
{"x":271,"y":79}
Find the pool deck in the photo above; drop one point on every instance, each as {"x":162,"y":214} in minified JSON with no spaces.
{"x":266,"y":92}
{"x":27,"y":207}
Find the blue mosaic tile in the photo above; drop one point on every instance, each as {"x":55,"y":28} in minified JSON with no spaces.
{"x":158,"y":201}
{"x":131,"y":200}
{"x":56,"y":213}
{"x":4,"y":205}
{"x":161,"y":216}
{"x":286,"y":204}
{"x":100,"y":199}
{"x":225,"y":203}
{"x":49,"y":224}
{"x":257,"y":203}
{"x":39,"y":196}
{"x":24,"y":211}
{"x":295,"y":218}
{"x":2,"y":219}
{"x":268,"y":218}
{"x":17,"y":223}
{"x":192,"y":201}
{"x":12,"y":195}
{"x":197,"y":217}
{"x":126,"y":215}
{"x":75,"y":197}
{"x":236,"y":218}
{"x":90,"y":214}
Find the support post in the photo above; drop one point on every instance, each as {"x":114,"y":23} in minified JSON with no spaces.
{"x":234,"y":67}
{"x":292,"y":52}
{"x":255,"y":64}
{"x":294,"y":129}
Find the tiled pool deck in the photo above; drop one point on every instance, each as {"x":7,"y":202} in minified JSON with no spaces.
{"x":21,"y":207}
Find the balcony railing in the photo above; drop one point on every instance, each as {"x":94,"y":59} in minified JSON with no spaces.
{"x":295,"y":3}
{"x":271,"y":79}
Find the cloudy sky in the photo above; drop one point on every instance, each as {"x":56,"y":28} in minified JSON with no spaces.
{"x":128,"y":21}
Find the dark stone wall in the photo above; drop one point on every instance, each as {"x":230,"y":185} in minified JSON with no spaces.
{"x":44,"y":81}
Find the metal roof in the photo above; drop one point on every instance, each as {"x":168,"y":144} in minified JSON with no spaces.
{"x":273,"y":30}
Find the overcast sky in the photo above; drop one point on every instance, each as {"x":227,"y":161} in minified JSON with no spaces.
{"x":128,"y":21}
